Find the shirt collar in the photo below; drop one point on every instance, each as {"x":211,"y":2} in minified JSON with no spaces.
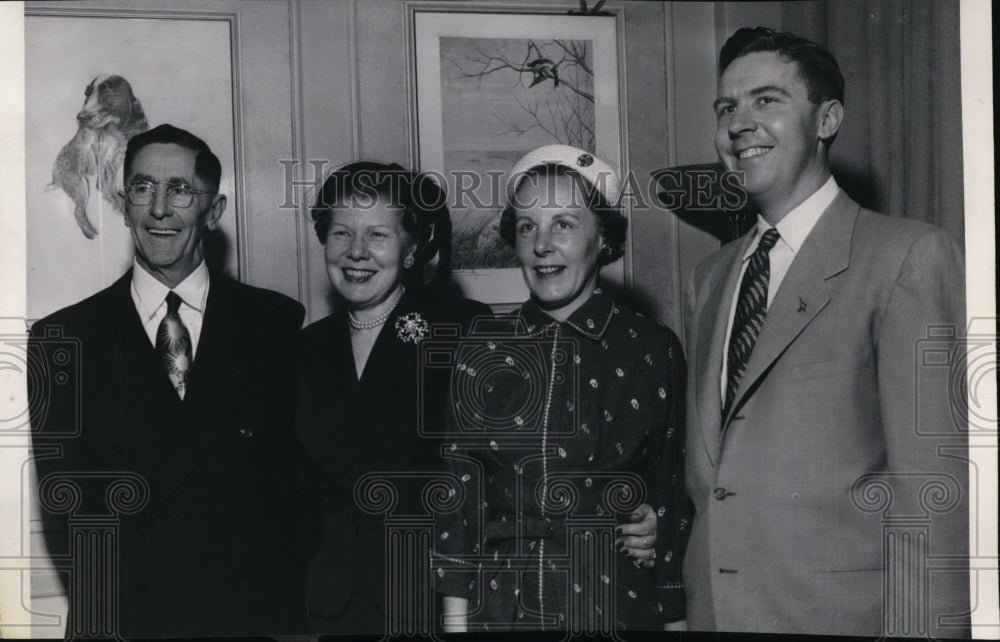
{"x":795,"y":226}
{"x":193,"y":290}
{"x":591,"y":319}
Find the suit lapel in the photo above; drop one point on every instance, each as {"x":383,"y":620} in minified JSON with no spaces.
{"x":804,"y":292}
{"x":221,"y":339}
{"x":710,"y":348}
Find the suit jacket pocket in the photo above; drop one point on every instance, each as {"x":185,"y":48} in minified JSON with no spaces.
{"x":856,"y":554}
{"x":858,"y":567}
{"x":841,"y":365}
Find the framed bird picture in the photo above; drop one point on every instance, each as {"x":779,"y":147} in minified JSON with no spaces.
{"x":487,"y":86}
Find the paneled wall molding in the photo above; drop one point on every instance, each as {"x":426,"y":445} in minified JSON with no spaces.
{"x":670,"y":146}
{"x":326,"y":125}
{"x":623,"y":126}
{"x":352,"y":53}
{"x":298,"y":144}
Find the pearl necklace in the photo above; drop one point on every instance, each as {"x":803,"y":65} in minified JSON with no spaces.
{"x":377,"y":321}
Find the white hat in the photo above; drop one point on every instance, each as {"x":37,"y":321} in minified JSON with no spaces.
{"x":598,"y":173}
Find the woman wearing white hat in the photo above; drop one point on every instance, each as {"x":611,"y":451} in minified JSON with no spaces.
{"x":581,"y":420}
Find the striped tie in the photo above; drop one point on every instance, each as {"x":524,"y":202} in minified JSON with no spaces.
{"x":173,"y":344}
{"x":750,"y":310}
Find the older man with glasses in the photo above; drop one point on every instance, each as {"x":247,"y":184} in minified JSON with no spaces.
{"x":184,"y":390}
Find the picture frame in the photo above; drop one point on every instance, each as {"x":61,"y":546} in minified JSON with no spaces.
{"x":181,"y":68}
{"x":484,"y":90}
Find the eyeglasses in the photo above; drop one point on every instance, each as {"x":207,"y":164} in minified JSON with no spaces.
{"x":179,"y":195}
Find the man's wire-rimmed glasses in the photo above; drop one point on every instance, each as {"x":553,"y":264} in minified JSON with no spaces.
{"x":179,"y":195}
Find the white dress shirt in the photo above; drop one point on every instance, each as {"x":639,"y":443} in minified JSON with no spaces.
{"x":149,"y":296}
{"x":793,"y":230}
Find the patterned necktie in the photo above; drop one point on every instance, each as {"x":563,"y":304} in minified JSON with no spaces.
{"x":173,"y":344}
{"x":751,"y":306}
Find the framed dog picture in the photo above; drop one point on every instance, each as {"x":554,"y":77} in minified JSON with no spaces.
{"x":489,"y":86}
{"x":95,"y":78}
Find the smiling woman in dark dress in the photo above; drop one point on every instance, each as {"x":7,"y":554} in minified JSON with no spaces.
{"x":360,"y":386}
{"x":585,"y":401}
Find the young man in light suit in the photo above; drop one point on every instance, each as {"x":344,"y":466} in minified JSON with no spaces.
{"x":174,"y":427}
{"x":828,"y":474}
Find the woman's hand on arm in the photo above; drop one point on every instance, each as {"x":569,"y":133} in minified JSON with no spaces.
{"x":637,"y":539}
{"x":456,"y":614}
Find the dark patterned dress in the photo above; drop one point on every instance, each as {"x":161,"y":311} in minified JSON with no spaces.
{"x":558,"y":431}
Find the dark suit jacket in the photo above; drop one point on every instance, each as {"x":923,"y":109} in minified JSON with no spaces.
{"x":841,"y":439}
{"x":212,"y":551}
{"x":350,"y":428}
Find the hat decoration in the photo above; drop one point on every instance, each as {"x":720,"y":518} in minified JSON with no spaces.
{"x":597,"y":172}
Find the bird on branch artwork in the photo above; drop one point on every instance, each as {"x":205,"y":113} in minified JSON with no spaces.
{"x":543,"y":68}
{"x":551,"y":81}
{"x":500,"y":98}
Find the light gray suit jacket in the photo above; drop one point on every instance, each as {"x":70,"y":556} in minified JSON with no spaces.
{"x":833,"y":498}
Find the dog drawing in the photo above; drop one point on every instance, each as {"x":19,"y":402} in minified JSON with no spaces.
{"x":111,"y":114}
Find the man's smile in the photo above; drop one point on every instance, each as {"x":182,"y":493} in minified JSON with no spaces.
{"x":157,"y":231}
{"x":752,"y":152}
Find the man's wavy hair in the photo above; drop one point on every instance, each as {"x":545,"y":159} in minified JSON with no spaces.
{"x":817,"y":66}
{"x":206,"y":164}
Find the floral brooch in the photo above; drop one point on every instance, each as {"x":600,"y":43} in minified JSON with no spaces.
{"x":412,"y":328}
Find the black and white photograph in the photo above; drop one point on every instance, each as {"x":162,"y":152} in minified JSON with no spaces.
{"x":548,"y":319}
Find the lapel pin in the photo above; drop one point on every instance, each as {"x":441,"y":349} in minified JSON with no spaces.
{"x":802,"y":305}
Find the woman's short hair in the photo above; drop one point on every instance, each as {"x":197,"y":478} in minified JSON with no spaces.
{"x":423,"y":203}
{"x":613,"y":225}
